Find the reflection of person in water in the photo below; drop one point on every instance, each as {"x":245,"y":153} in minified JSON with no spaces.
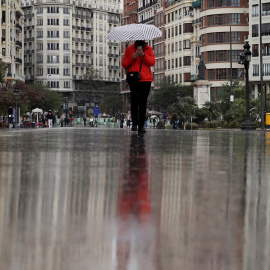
{"x":134,"y":208}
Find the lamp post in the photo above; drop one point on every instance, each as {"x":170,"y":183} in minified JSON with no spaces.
{"x":16,"y":94}
{"x":245,"y":58}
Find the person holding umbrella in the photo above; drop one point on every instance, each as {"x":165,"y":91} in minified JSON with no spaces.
{"x":139,"y":57}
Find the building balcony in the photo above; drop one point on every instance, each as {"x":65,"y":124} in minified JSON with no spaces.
{"x":18,"y":26}
{"x":18,"y":60}
{"x":18,"y":43}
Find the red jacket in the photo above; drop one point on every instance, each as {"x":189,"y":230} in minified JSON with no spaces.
{"x":134,"y":65}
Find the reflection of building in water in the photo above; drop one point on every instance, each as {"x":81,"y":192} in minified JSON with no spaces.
{"x":257,"y":203}
{"x":70,"y":210}
{"x":199,"y":228}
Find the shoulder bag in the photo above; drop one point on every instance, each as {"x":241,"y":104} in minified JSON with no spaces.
{"x":134,"y":77}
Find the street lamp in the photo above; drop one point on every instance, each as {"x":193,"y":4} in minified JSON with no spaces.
{"x":245,"y":58}
{"x":16,"y":94}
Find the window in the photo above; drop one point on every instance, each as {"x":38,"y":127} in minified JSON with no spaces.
{"x":66,"y":84}
{"x":266,"y":49}
{"x":187,"y":44}
{"x":53,"y":84}
{"x":235,"y":55}
{"x":234,"y":18}
{"x":53,"y":21}
{"x":39,"y":34}
{"x":221,"y":74}
{"x":255,"y":50}
{"x":39,"y":46}
{"x":255,"y":11}
{"x":236,"y":37}
{"x":188,"y":28}
{"x":211,"y":3}
{"x":255,"y":70}
{"x":266,"y":69}
{"x":52,"y":9}
{"x":220,"y":3}
{"x":66,"y":59}
{"x":39,"y":59}
{"x":66,"y":34}
{"x":39,"y":71}
{"x":66,"y":46}
{"x":186,"y":60}
{"x":210,"y":20}
{"x":66,"y":10}
{"x":221,"y":56}
{"x":255,"y":30}
{"x":66,"y":22}
{"x":39,"y":10}
{"x":52,"y":46}
{"x":211,"y":56}
{"x":266,"y":29}
{"x":211,"y":74}
{"x":52,"y":71}
{"x":66,"y":72}
{"x":53,"y":58}
{"x":234,"y":3}
{"x":265,"y":9}
{"x":221,"y":38}
{"x":221,"y":19}
{"x":39,"y":22}
{"x":211,"y":38}
{"x":53,"y":34}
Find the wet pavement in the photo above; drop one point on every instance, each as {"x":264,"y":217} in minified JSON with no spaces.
{"x":108,"y":199}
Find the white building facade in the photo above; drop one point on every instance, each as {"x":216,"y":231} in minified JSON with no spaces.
{"x":65,"y":40}
{"x":11,"y":45}
{"x":179,"y":32}
{"x":254,"y":41}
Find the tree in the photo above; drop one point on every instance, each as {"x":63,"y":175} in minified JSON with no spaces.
{"x":169,"y":92}
{"x":185,"y":107}
{"x":211,"y":110}
{"x":3,"y":70}
{"x":112,"y":103}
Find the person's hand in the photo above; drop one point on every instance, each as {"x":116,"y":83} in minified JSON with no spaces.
{"x":135,"y":55}
{"x":140,"y":52}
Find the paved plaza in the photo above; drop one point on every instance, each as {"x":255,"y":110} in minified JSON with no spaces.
{"x":80,"y":198}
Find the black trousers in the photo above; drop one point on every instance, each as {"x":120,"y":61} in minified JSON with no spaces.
{"x":139,"y":94}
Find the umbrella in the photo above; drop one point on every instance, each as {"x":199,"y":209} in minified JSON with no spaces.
{"x":154,"y":116}
{"x":37,"y":110}
{"x":154,"y":112}
{"x":134,"y":32}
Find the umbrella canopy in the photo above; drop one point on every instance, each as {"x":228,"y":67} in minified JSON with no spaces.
{"x":37,"y":110}
{"x":154,"y":112}
{"x":154,"y":116}
{"x":134,"y":32}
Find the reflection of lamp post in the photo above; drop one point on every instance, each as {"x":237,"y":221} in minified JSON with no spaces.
{"x":16,"y":94}
{"x":66,"y":109}
{"x":245,"y":58}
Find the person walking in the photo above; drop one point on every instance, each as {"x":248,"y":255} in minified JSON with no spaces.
{"x":84,"y":120}
{"x":128,"y":119}
{"x":139,"y":57}
{"x":96,"y":112}
{"x":50,"y":119}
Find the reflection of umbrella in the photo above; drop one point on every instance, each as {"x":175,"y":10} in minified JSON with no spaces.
{"x":154,"y":112}
{"x":105,"y":115}
{"x":134,"y":32}
{"x":154,"y":116}
{"x":37,"y":110}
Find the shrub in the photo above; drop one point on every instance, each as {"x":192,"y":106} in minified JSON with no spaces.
{"x":194,"y":126}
